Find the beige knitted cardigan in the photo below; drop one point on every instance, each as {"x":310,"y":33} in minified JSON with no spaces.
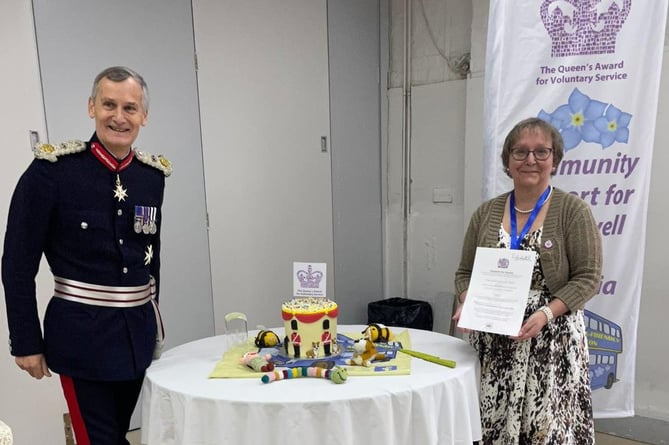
{"x":571,"y":246}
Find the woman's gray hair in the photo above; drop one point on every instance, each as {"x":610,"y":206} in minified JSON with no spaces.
{"x":119,"y":74}
{"x":533,"y":123}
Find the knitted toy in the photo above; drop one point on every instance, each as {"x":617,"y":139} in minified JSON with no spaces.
{"x":364,"y":353}
{"x":377,"y":332}
{"x":336,"y":374}
{"x":257,"y":362}
{"x":267,"y":339}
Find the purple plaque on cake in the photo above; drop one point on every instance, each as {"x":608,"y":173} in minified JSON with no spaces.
{"x":309,"y":279}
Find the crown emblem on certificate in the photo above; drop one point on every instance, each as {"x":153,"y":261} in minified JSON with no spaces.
{"x":584,"y":27}
{"x":156,"y":161}
{"x":50,"y":152}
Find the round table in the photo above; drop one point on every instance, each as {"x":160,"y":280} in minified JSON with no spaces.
{"x":432,"y":405}
{"x":5,"y":434}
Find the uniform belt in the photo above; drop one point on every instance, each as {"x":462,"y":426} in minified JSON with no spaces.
{"x":98,"y":295}
{"x":113,"y":296}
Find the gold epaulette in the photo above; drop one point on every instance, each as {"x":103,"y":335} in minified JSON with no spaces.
{"x":160,"y":162}
{"x":50,"y":152}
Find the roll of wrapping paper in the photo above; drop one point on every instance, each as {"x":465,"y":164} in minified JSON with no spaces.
{"x":429,"y":358}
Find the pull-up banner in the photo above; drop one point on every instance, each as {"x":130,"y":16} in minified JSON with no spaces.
{"x":592,"y":69}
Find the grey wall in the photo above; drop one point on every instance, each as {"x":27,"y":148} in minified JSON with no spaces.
{"x":652,"y":385}
{"x":20,"y":395}
{"x":264,"y":101}
{"x":355,"y":128}
{"x":273,"y":196}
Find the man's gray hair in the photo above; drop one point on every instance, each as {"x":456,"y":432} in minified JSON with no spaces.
{"x":119,"y":74}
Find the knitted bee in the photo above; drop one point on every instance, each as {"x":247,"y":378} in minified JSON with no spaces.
{"x":336,"y":374}
{"x":377,"y":332}
{"x":266,"y":339}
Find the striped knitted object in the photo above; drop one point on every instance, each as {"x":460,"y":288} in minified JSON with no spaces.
{"x":336,"y":374}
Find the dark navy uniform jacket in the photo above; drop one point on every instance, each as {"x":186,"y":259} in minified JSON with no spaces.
{"x":67,"y":210}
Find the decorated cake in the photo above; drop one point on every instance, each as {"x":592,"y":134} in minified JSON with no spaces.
{"x":311,"y":327}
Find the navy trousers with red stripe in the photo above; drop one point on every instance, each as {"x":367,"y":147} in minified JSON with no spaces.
{"x":100,"y":411}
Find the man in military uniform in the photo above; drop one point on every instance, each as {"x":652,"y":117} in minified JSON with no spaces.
{"x":94,"y":209}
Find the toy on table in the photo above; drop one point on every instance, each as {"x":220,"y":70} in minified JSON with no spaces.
{"x":364,"y":353}
{"x":336,"y":374}
{"x":429,"y":358}
{"x":257,"y":362}
{"x":266,"y":339}
{"x":377,"y":332}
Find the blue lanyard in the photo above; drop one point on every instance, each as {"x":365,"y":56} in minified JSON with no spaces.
{"x":515,"y":240}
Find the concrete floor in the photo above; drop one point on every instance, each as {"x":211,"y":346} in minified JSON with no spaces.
{"x":641,"y":429}
{"x":606,"y":439}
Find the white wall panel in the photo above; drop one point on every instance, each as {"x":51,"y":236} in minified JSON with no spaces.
{"x":21,"y":93}
{"x":354,"y":60}
{"x":652,"y":385}
{"x":263,"y":83}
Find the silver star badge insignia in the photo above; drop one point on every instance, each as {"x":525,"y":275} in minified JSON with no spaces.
{"x":148,"y":255}
{"x":120,"y":192}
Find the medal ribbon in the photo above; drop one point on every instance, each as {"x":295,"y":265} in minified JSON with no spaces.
{"x":110,"y":161}
{"x":515,"y":240}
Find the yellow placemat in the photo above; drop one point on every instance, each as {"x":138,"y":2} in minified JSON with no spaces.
{"x":229,"y":365}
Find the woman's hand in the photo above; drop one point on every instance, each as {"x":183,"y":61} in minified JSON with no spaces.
{"x":458,"y":311}
{"x":532,"y":326}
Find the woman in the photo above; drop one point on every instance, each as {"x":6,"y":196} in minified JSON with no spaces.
{"x":535,"y":387}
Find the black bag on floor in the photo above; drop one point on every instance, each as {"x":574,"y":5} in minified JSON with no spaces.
{"x":401,"y":312}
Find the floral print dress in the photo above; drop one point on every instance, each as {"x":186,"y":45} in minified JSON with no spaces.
{"x":536,"y":391}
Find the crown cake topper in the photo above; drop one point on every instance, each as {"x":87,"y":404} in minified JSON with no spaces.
{"x":309,"y":279}
{"x":584,"y":27}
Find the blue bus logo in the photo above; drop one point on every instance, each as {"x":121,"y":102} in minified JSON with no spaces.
{"x":605,"y":342}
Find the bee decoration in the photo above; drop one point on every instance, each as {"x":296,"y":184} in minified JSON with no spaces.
{"x":378,"y":332}
{"x":266,"y":339}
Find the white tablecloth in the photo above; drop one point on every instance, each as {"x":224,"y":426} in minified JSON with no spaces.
{"x":5,"y":434}
{"x":434,"y":405}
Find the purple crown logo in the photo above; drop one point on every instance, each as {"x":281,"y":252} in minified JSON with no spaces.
{"x":584,"y":27}
{"x":309,"y":279}
{"x":503,"y":263}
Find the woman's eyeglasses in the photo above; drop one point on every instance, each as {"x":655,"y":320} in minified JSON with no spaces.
{"x":540,"y":154}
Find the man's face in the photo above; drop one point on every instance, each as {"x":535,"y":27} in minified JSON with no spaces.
{"x":118,"y":111}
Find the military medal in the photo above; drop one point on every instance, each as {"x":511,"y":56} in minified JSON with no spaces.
{"x":139,"y":219}
{"x":153,"y":227}
{"x":115,"y":166}
{"x":120,"y":192}
{"x":148,"y":254}
{"x":145,"y":216}
{"x":145,"y":220}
